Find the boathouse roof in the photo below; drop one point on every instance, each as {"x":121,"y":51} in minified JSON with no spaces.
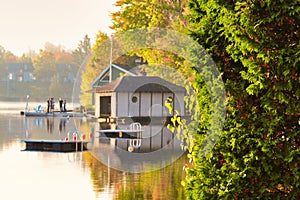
{"x":104,"y":75}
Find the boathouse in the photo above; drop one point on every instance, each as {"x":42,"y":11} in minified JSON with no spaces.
{"x":137,"y":96}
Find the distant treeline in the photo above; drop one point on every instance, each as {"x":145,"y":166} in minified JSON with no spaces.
{"x":51,"y":72}
{"x":38,"y":91}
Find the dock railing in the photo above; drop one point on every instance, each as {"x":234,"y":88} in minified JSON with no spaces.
{"x":135,"y":143}
{"x":76,"y":134}
{"x":136,"y":126}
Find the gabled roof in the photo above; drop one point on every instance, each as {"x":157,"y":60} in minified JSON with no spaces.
{"x":139,"y":84}
{"x":123,"y":69}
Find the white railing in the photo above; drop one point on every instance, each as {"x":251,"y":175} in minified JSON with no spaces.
{"x":76,"y":134}
{"x":135,"y":143}
{"x":136,"y":126}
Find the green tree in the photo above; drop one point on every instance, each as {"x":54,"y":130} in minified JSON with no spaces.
{"x":150,"y":14}
{"x":255,"y":45}
{"x":5,"y":58}
{"x":82,"y":51}
{"x":147,"y":13}
{"x":44,"y":66}
{"x":97,"y":62}
{"x":25,"y":59}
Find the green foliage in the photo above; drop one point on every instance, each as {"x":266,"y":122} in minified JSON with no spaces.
{"x":51,"y":79}
{"x":5,"y":58}
{"x":96,"y":63}
{"x":83,"y":50}
{"x":150,"y":14}
{"x":255,"y":45}
{"x":99,"y":60}
{"x":134,"y":14}
{"x":44,"y":66}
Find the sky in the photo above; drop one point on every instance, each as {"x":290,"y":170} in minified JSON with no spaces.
{"x":28,"y":24}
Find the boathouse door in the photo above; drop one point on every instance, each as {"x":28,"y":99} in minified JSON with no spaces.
{"x":105,"y":106}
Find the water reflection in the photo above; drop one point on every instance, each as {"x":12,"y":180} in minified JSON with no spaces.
{"x":39,"y":175}
{"x":50,"y":123}
{"x":115,"y":184}
{"x":154,"y":148}
{"x":51,"y":127}
{"x":62,"y":125}
{"x":81,"y":175}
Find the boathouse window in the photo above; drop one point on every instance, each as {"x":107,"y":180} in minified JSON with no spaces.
{"x":134,"y":99}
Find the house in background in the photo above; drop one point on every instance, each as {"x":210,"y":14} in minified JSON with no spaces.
{"x":21,"y":72}
{"x":137,"y":97}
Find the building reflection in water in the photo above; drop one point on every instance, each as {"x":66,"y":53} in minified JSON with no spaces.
{"x":154,"y":148}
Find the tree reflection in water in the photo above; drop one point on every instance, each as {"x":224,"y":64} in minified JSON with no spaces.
{"x":160,"y":184}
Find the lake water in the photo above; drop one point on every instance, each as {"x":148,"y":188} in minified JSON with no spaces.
{"x":106,"y":171}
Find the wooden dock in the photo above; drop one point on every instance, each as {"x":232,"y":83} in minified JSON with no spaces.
{"x":135,"y":131}
{"x":119,"y":133}
{"x":51,"y":114}
{"x":55,"y":145}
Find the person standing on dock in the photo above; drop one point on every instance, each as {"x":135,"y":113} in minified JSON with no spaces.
{"x":52,"y":104}
{"x":48,"y":105}
{"x":65,"y":104}
{"x":61,"y":104}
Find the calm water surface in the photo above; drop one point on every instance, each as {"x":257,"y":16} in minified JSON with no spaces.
{"x":49,"y":175}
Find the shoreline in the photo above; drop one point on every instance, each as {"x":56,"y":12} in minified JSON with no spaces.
{"x":21,"y":105}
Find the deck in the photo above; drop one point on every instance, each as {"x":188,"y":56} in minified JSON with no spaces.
{"x":52,"y":114}
{"x":135,"y":131}
{"x":55,"y":145}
